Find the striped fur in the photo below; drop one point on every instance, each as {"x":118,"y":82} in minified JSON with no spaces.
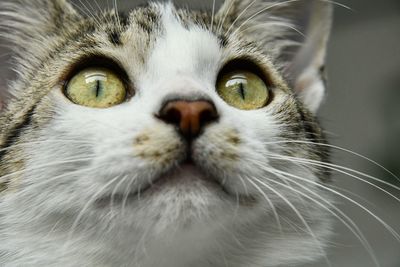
{"x":164,"y":51}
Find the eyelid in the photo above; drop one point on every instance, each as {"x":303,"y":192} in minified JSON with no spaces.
{"x":96,"y":88}
{"x":246,"y":64}
{"x":98,"y":61}
{"x":243,"y":89}
{"x":250,"y":66}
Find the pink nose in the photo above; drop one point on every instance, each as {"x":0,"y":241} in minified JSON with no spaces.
{"x":189,"y":116}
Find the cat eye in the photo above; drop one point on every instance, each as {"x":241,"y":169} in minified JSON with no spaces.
{"x":243,"y":89}
{"x":96,"y":88}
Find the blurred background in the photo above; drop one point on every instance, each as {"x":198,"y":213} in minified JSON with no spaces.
{"x":361,"y":113}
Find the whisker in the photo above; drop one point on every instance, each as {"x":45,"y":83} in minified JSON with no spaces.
{"x":246,"y":191}
{"x":298,"y":214}
{"x":347,"y":221}
{"x":277,"y":23}
{"x":55,"y":163}
{"x":81,"y":213}
{"x":277,"y":5}
{"x":102,"y":16}
{"x":351,"y":193}
{"x":221,"y":23}
{"x":43,"y":142}
{"x":337,"y":148}
{"x":276,"y":215}
{"x":52,"y":179}
{"x":237,"y":206}
{"x":93,"y":14}
{"x":97,"y":5}
{"x":383,"y":223}
{"x":338,"y":4}
{"x":231,"y":233}
{"x":240,"y":15}
{"x":127,"y":192}
{"x":117,"y":15}
{"x":86,"y":12}
{"x":262,"y":11}
{"x":338,"y":168}
{"x":114,"y":192}
{"x":212,"y":16}
{"x":141,"y":243}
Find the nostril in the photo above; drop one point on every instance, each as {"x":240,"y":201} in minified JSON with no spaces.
{"x":189,"y":117}
{"x":171,"y":116}
{"x":208,"y":115}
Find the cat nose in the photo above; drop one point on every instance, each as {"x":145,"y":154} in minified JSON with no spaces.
{"x":189,"y":116}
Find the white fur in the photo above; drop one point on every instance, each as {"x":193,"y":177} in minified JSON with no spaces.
{"x":189,"y":223}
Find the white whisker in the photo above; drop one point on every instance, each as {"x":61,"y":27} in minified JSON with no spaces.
{"x":347,"y":221}
{"x":383,"y":223}
{"x":338,"y":168}
{"x":51,"y":180}
{"x":43,"y":166}
{"x":82,"y":212}
{"x":221,"y":23}
{"x":276,"y":215}
{"x":276,"y":23}
{"x":126,"y":193}
{"x":298,"y":214}
{"x":240,"y":15}
{"x":41,"y":142}
{"x":87,"y":12}
{"x":337,"y":148}
{"x":212,"y":16}
{"x":117,"y":15}
{"x":117,"y":186}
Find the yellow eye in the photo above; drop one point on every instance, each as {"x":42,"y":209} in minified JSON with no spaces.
{"x":96,"y":88}
{"x":243,"y":89}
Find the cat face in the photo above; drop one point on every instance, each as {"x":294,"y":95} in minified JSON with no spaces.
{"x":182,"y":143}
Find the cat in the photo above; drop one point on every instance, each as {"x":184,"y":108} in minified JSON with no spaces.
{"x":163,"y":136}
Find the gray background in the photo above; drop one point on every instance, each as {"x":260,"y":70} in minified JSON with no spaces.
{"x":361,"y":113}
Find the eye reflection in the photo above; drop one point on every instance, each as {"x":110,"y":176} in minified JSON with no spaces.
{"x":236,"y":79}
{"x":96,"y":88}
{"x":243,"y":89}
{"x":96,"y":76}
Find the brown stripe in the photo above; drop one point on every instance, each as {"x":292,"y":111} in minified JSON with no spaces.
{"x":15,"y":133}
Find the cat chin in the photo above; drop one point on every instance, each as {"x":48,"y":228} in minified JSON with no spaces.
{"x":184,"y":176}
{"x":187,"y":182}
{"x":189,"y":242}
{"x":183,"y":198}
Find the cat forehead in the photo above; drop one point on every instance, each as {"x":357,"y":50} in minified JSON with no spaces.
{"x":183,"y":43}
{"x":183,"y":48}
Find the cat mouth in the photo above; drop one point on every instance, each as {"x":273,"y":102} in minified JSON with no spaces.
{"x":187,"y":173}
{"x":186,"y":176}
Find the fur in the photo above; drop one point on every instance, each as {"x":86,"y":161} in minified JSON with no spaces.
{"x":65,"y":169}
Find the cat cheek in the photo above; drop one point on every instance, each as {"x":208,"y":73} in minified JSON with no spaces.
{"x":217,"y":147}
{"x":158,"y":146}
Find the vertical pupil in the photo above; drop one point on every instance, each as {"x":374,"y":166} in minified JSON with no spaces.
{"x":241,"y":91}
{"x":98,"y":88}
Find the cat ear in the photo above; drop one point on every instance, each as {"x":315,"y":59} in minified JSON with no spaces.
{"x":294,"y":33}
{"x":33,"y":21}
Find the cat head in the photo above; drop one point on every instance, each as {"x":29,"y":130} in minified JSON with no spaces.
{"x":169,"y":125}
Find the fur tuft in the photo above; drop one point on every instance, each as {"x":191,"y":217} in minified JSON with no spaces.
{"x":82,"y":186}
